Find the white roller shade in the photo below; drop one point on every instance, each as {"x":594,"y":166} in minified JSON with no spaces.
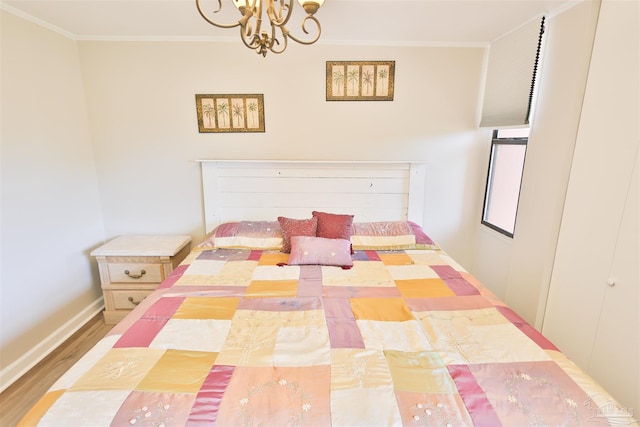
{"x":510,"y":72}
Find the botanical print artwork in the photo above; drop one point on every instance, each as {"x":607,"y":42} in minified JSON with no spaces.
{"x":353,"y":80}
{"x":230,"y":113}
{"x":360,"y":80}
{"x":223,"y":113}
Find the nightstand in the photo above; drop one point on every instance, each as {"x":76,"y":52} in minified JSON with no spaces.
{"x":131,"y":267}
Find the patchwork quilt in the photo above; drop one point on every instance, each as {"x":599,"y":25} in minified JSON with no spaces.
{"x":236,"y":337}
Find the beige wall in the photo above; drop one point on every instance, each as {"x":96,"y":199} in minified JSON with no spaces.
{"x":99,"y":139}
{"x":51,"y":215}
{"x":141,"y":101}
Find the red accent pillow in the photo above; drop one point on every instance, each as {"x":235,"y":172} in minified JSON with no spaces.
{"x":296,"y":227}
{"x":333,"y":226}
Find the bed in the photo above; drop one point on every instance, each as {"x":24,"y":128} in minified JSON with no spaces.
{"x":317,"y":298}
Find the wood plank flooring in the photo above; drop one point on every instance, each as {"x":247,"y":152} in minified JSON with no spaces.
{"x":19,"y":397}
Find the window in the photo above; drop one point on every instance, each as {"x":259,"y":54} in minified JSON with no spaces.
{"x":509,"y":81}
{"x":506,"y":163}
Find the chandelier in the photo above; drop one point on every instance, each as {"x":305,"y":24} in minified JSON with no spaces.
{"x":278,"y":12}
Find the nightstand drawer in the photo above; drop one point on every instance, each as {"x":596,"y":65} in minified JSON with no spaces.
{"x":135,"y":273}
{"x":127,"y":300}
{"x":131,"y":267}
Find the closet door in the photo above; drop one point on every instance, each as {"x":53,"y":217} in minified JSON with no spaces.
{"x":617,"y":339}
{"x":604,"y":155}
{"x":594,"y":323}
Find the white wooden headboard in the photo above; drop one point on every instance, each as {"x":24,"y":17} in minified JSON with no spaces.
{"x":265,"y":189}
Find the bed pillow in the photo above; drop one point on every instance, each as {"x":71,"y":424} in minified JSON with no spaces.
{"x":296,"y":227}
{"x":260,"y":235}
{"x":333,"y":226}
{"x":390,"y":235}
{"x":307,"y":250}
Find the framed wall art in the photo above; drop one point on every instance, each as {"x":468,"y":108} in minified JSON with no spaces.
{"x":230,"y":113}
{"x":360,"y":80}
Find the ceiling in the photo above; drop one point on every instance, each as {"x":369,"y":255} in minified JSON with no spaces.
{"x":359,"y":22}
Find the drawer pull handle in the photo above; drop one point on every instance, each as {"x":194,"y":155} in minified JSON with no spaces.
{"x":134,"y":302}
{"x":135,"y":276}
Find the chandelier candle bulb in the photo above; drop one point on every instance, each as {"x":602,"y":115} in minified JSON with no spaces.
{"x":311,"y":7}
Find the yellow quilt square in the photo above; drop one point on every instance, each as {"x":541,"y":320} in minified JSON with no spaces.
{"x":412,"y":271}
{"x":388,"y":309}
{"x":274,"y":272}
{"x":363,"y":273}
{"x":403,"y":336}
{"x":82,"y":408}
{"x":422,"y":372}
{"x":423,"y":288}
{"x":119,"y":369}
{"x":397,"y":258}
{"x":35,"y":414}
{"x":229,"y":273}
{"x":273,"y":258}
{"x":204,"y":267}
{"x":292,"y":342}
{"x":206,"y":335}
{"x":249,"y":347}
{"x":207,"y":308}
{"x":365,"y":407}
{"x":178,"y":371}
{"x":477,"y":336}
{"x":427,"y":258}
{"x":355,"y":368}
{"x":272,"y":288}
{"x":251,"y":339}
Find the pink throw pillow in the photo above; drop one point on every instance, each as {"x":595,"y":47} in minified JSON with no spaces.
{"x":320,"y":251}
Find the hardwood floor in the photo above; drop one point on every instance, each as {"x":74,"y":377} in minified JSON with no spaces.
{"x":18,"y":398}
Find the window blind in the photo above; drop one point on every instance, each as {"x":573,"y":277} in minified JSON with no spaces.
{"x":511,"y":76}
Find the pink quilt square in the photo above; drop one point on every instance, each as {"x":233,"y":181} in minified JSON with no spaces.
{"x":141,"y":333}
{"x":173,"y":277}
{"x":344,"y":333}
{"x":310,"y":284}
{"x":255,"y":255}
{"x":523,"y":393}
{"x":432,"y":409}
{"x":225,"y":254}
{"x":526,"y":329}
{"x":145,"y":329}
{"x":205,"y":408}
{"x":371,"y":255}
{"x":146,"y":408}
{"x":338,"y":308}
{"x":277,"y":396}
{"x":163,"y":308}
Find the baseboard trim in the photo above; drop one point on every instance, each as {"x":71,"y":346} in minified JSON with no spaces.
{"x":15,"y":370}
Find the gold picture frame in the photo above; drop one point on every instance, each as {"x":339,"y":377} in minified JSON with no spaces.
{"x":230,"y":113}
{"x":360,"y":80}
